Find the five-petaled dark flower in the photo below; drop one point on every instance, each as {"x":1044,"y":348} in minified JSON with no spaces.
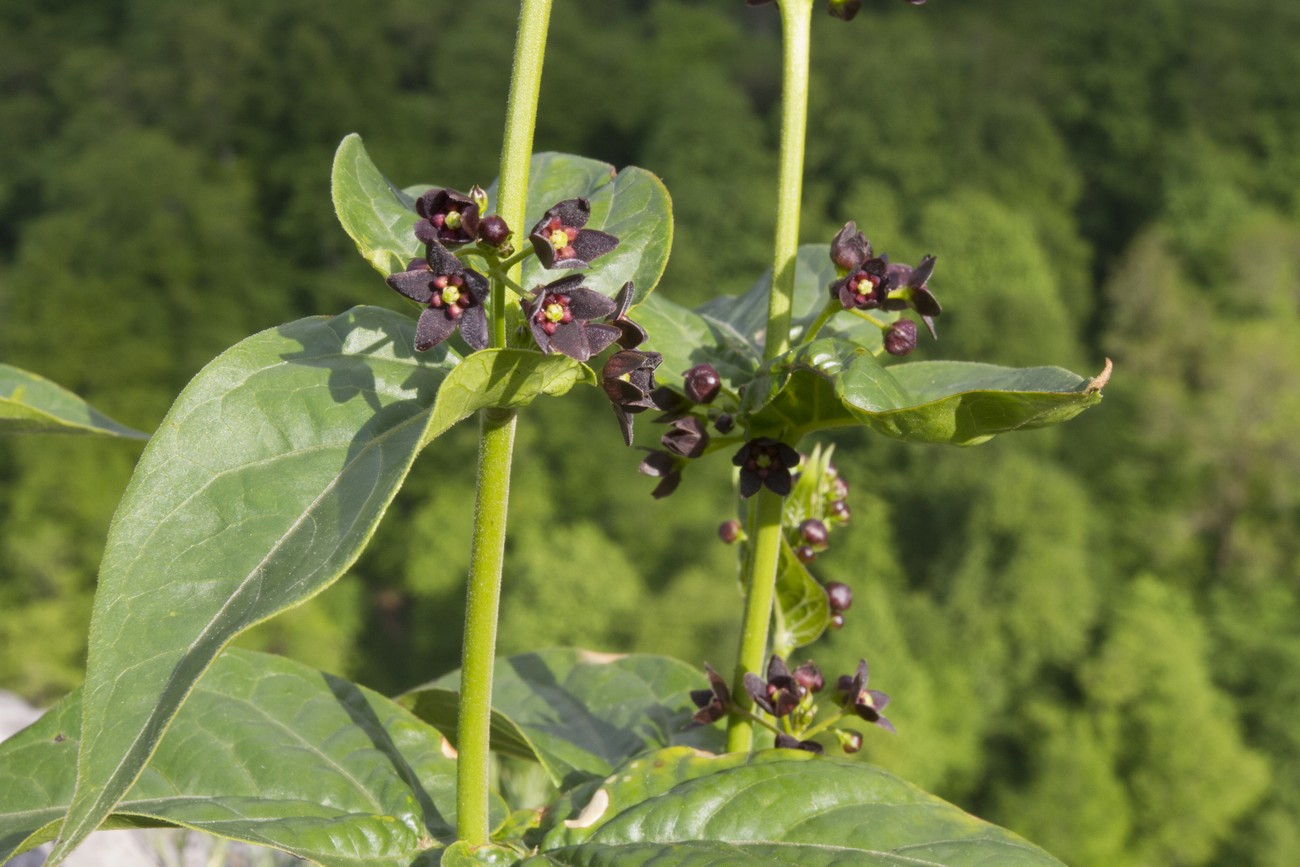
{"x":712,"y":702}
{"x":446,"y":217}
{"x":560,"y":315}
{"x":867,"y":283}
{"x":913,"y":292}
{"x":453,"y":296}
{"x":666,"y":468}
{"x":686,"y":437}
{"x":765,"y":462}
{"x":629,"y":380}
{"x":866,"y":703}
{"x":780,"y":693}
{"x":561,"y":241}
{"x":630,"y":335}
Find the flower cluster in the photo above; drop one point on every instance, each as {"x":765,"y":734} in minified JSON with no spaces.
{"x":688,"y":415}
{"x":871,"y":282}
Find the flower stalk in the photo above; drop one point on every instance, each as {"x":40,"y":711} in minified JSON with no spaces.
{"x":766,"y":508}
{"x":496,"y":447}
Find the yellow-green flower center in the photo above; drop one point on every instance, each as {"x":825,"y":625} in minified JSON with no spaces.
{"x":554,"y":312}
{"x":451,"y":295}
{"x":559,"y":239}
{"x":451,"y":220}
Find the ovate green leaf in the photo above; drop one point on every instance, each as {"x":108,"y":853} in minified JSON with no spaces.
{"x":377,"y":215}
{"x":261,"y":486}
{"x":32,"y":404}
{"x":267,"y":751}
{"x":793,"y":805}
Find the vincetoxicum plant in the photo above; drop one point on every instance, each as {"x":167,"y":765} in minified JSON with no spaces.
{"x":273,"y":467}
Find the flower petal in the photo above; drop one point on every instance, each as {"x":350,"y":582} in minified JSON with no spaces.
{"x":474,"y":327}
{"x":413,"y":284}
{"x":433,"y":328}
{"x":587,"y":303}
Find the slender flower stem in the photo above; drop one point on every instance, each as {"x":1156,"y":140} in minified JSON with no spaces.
{"x":496,"y":447}
{"x":832,"y":307}
{"x":765,"y":512}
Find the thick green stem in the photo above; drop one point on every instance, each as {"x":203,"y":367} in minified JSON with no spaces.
{"x":496,"y":447}
{"x":764,"y":558}
{"x":517,"y":148}
{"x":496,"y":444}
{"x":765,"y":514}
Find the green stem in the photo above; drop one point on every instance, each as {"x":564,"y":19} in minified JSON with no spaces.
{"x":497,"y":437}
{"x":496,"y":447}
{"x":765,"y":514}
{"x":832,"y":307}
{"x":764,"y":557}
{"x":517,"y":148}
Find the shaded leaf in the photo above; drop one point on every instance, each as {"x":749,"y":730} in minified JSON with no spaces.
{"x":378,"y":216}
{"x":32,"y":404}
{"x":579,"y":713}
{"x":505,"y":378}
{"x":262,"y":485}
{"x":685,"y":339}
{"x":802,"y":611}
{"x":790,"y":804}
{"x":268,"y":751}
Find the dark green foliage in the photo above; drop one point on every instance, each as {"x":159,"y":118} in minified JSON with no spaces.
{"x":1089,"y":633}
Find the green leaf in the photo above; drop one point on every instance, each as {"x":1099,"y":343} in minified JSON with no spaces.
{"x":833,"y":383}
{"x":579,"y":713}
{"x":802,"y":610}
{"x":32,"y":404}
{"x":268,"y":751}
{"x":262,"y":485}
{"x":788,"y":804}
{"x":377,"y":215}
{"x":504,"y":378}
{"x":814,"y":272}
{"x":632,"y":204}
{"x":685,"y":339}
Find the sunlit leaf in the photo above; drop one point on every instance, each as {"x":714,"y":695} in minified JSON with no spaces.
{"x":802,"y":610}
{"x":32,"y":404}
{"x":267,"y":751}
{"x":378,"y":216}
{"x":785,"y":804}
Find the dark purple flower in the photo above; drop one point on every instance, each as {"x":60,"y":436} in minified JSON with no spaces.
{"x":630,"y":335}
{"x":865,"y":287}
{"x":839,"y":596}
{"x":493,"y":231}
{"x":809,"y":676}
{"x":560,"y":315}
{"x":900,"y":337}
{"x":666,"y":468}
{"x":453,"y":296}
{"x":561,"y":241}
{"x":686,"y":437}
{"x":786,"y":742}
{"x":446,"y":217}
{"x":765,"y":462}
{"x":702,"y":383}
{"x":850,"y":248}
{"x":866,"y":703}
{"x":730,"y":531}
{"x":780,"y":693}
{"x":913,"y":292}
{"x":712,"y":702}
{"x":629,"y":380}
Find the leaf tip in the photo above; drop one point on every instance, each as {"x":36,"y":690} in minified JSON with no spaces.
{"x":1098,"y":382}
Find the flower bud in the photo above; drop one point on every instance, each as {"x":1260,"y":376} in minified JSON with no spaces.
{"x":840,"y":596}
{"x":479,"y":196}
{"x":841,"y":511}
{"x":730,"y":532}
{"x":702,"y":383}
{"x":809,"y":676}
{"x":850,"y":248}
{"x":845,"y":9}
{"x":813,"y":532}
{"x":805,"y":554}
{"x":837,"y":621}
{"x":850,"y":741}
{"x":900,"y":339}
{"x":493,"y":231}
{"x":724,"y":423}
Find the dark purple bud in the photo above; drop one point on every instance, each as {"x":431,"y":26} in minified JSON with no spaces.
{"x":493,"y":231}
{"x":839,"y":488}
{"x":724,"y":423}
{"x":840,"y":596}
{"x":805,"y":554}
{"x":813,"y":532}
{"x":702,"y":383}
{"x":729,"y":531}
{"x":900,"y":339}
{"x":837,"y":621}
{"x":850,"y":741}
{"x":850,"y":248}
{"x":840,"y":510}
{"x":786,"y":742}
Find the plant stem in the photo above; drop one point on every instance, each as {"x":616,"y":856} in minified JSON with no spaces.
{"x":765,"y":512}
{"x":832,"y":307}
{"x":764,"y":557}
{"x":497,"y":438}
{"x":496,"y":447}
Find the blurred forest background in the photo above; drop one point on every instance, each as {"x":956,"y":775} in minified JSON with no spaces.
{"x":1092,"y":633}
